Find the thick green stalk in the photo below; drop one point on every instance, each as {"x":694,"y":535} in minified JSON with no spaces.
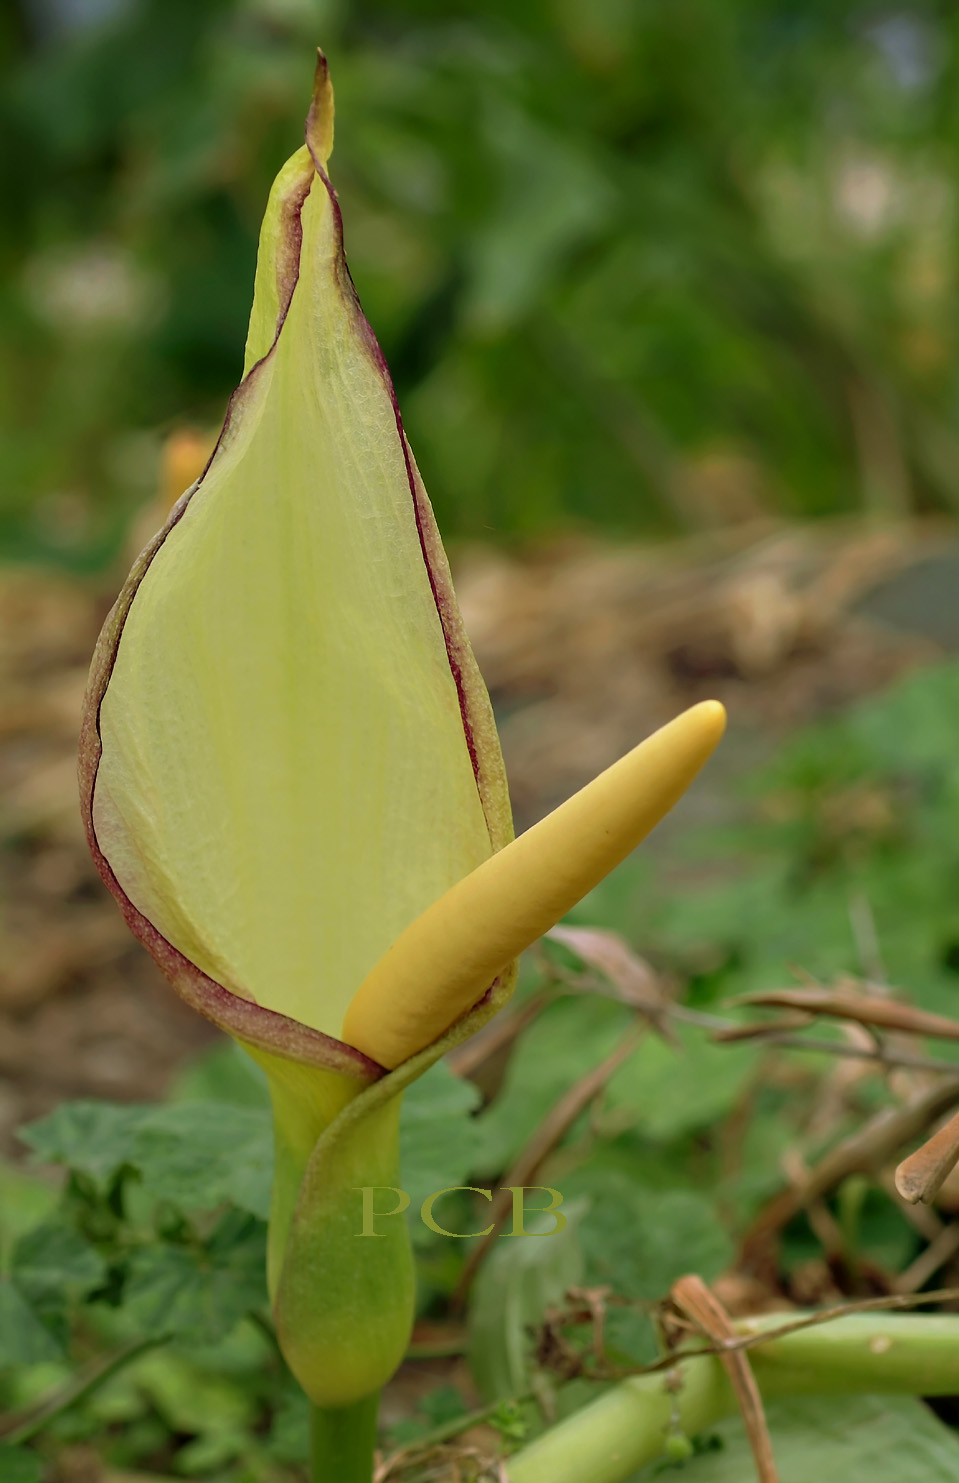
{"x":342,"y":1442}
{"x":905,"y":1354}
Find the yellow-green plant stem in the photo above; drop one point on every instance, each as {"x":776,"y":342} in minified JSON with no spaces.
{"x":342,"y":1442}
{"x":873,"y":1353}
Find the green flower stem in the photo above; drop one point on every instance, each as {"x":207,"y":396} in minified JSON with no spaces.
{"x":342,"y":1442}
{"x":871,"y":1353}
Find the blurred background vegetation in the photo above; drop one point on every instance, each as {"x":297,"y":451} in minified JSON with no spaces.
{"x":637,"y":267}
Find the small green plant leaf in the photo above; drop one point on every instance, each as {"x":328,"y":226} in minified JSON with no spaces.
{"x":24,"y":1339}
{"x":19,"y":1465}
{"x":199,"y":1293}
{"x":196,"y":1155}
{"x":439,"y":1406}
{"x":92,"y":1138}
{"x":26,"y":1199}
{"x":52,"y":1259}
{"x":679,"y":1090}
{"x":639,"y":1240}
{"x":51,"y":1268}
{"x":199,"y":1155}
{"x":860,"y":1439}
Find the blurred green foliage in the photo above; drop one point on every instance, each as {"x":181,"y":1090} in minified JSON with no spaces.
{"x":637,"y":265}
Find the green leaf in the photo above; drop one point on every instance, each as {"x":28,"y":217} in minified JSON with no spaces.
{"x":289,"y":1438}
{"x":52,"y":1258}
{"x":18,"y":1465}
{"x":199,"y":1293}
{"x":51,"y":1268}
{"x":195,"y":1392}
{"x":24,"y":1340}
{"x":640,"y":1240}
{"x":679,"y":1091}
{"x":861,"y":1439}
{"x":434,"y":1409}
{"x":94,"y":1138}
{"x":25,"y":1201}
{"x":199,"y":1155}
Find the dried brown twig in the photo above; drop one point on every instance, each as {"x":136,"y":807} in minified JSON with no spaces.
{"x":443,"y":1464}
{"x":621,"y":974}
{"x":863,"y":1152}
{"x":941,"y":1249}
{"x":845,"y":1003}
{"x":693,"y":1298}
{"x":922,"y":1175}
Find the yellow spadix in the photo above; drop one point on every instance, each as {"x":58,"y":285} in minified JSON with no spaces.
{"x":443,"y":962}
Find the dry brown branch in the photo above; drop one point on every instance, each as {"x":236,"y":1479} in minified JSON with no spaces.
{"x":880,"y":1055}
{"x":781,"y":1034}
{"x":636,"y":982}
{"x":863,"y":1152}
{"x":541,"y":1143}
{"x":922,"y":1175}
{"x":864,"y":1009}
{"x":443,"y":1464}
{"x":761,"y":1029}
{"x":921,"y":1217}
{"x":693,"y":1297}
{"x":825,"y":1226}
{"x":939,"y":1251}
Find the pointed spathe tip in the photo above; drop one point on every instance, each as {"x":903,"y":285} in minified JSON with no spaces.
{"x":319,"y":119}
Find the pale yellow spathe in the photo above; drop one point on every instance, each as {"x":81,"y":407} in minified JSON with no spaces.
{"x":285,"y":782}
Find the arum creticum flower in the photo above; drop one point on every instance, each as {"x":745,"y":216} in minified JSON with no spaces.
{"x":292,"y":783}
